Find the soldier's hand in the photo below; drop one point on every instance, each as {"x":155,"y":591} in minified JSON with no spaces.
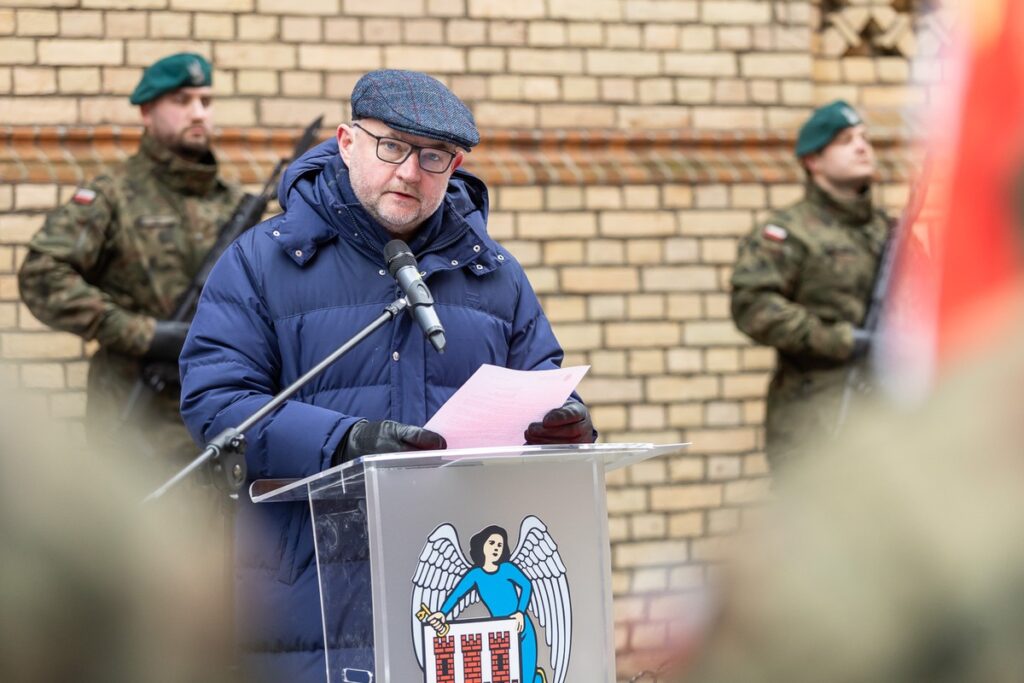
{"x":386,"y":436}
{"x":862,"y":340}
{"x":569,"y":424}
{"x":167,"y":341}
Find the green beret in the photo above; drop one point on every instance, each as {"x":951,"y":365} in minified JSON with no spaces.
{"x":185,"y":69}
{"x":824,"y":125}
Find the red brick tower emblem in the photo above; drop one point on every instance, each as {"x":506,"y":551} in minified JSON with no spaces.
{"x":471,"y":667}
{"x":499,"y":645}
{"x":444,"y":652}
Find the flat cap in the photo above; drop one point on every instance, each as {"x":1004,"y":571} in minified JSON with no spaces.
{"x":824,"y":125}
{"x":184,"y":69}
{"x":415,"y":103}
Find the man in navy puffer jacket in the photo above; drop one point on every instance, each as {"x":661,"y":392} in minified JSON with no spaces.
{"x":292,"y":289}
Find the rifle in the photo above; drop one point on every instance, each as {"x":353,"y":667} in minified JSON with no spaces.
{"x":857,"y":376}
{"x":153,"y":378}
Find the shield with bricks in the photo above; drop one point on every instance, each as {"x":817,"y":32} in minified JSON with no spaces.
{"x":472,"y":651}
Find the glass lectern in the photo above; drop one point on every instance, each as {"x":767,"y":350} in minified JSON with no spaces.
{"x":486,"y":565}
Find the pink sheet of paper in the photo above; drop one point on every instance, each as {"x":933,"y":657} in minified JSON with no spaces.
{"x":496,"y":405}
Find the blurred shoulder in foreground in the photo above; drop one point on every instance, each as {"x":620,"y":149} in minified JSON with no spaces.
{"x":94,"y":586}
{"x":899,"y":558}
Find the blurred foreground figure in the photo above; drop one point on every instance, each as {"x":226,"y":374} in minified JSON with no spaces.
{"x":94,"y":587}
{"x":898,"y":559}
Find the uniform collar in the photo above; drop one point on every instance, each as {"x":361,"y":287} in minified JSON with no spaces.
{"x":852,"y":211}
{"x":178,"y":173}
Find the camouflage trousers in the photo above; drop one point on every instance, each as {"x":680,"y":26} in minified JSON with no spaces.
{"x":801,"y":413}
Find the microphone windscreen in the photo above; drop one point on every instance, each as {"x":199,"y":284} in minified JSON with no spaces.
{"x":398,"y":255}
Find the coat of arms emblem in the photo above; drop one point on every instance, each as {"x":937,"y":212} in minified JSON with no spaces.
{"x":516,"y":587}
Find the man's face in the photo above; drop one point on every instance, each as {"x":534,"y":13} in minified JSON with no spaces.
{"x":398,"y":196}
{"x":181,"y":120}
{"x":848,"y":161}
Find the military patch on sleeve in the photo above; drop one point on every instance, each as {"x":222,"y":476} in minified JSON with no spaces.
{"x":83,"y":196}
{"x":775,"y":233}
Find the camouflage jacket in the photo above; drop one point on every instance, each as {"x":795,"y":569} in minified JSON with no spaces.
{"x":803,"y":279}
{"x":116,"y":258}
{"x":118,"y":255}
{"x":802,"y":282}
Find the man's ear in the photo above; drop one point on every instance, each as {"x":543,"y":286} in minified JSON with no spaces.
{"x":459,"y":158}
{"x":810,"y":162}
{"x":346,"y":139}
{"x":144,"y":111}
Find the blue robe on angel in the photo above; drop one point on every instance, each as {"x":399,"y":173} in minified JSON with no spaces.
{"x":503,"y":593}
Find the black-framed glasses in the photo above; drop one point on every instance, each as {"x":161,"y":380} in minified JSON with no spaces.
{"x":395,"y":151}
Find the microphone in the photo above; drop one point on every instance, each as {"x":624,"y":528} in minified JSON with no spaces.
{"x":402,"y":266}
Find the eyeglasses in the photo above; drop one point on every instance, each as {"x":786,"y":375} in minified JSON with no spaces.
{"x":394,"y":151}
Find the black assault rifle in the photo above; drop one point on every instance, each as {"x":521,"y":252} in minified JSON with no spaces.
{"x":153,"y":377}
{"x":858,"y":376}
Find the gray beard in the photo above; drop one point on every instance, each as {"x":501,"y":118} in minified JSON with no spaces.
{"x":406,"y":229}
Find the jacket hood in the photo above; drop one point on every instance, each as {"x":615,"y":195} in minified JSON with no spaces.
{"x":311,"y":163}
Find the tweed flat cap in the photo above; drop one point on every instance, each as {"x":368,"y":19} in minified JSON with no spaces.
{"x":824,"y":125}
{"x":414,"y":103}
{"x":181,"y":70}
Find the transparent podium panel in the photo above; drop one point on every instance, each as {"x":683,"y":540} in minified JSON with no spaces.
{"x":475,"y":565}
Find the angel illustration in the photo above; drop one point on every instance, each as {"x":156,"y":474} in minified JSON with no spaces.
{"x":531,"y":580}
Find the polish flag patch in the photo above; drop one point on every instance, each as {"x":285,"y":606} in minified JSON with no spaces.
{"x":83,"y":196}
{"x":775,"y":233}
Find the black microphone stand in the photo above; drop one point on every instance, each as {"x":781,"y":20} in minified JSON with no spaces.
{"x":226,"y":452}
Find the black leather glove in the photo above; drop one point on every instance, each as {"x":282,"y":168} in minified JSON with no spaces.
{"x":568,"y":424}
{"x":861,"y":342}
{"x":385,"y":436}
{"x":167,"y":341}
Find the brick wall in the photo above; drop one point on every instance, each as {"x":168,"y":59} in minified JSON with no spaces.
{"x":628,"y":143}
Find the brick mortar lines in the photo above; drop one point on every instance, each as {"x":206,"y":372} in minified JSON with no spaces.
{"x":46,"y":154}
{"x":514,"y":137}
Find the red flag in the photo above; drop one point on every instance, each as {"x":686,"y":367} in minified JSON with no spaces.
{"x":979,"y":249}
{"x":952,"y":290}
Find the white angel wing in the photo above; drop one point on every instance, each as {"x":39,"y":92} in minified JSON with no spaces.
{"x":441,"y":566}
{"x":537,"y":557}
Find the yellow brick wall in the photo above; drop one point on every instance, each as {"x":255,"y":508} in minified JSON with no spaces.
{"x":711,"y":64}
{"x":633,"y":276}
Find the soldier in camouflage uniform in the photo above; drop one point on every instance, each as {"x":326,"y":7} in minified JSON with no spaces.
{"x":111,"y":263}
{"x":803,"y":279}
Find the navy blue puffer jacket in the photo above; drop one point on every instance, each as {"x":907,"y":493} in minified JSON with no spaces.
{"x":283,"y":297}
